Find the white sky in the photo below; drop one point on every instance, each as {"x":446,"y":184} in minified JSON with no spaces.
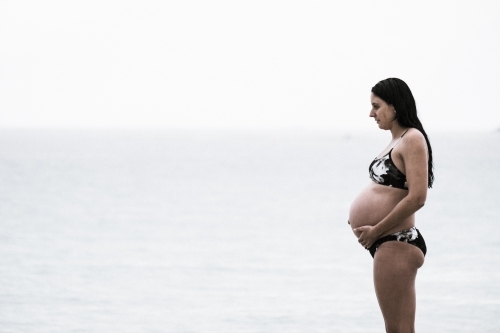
{"x":245,"y":64}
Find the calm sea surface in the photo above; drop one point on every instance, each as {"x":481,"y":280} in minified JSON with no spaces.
{"x":185,"y":231}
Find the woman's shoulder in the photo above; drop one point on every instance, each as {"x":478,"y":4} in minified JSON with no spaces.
{"x":414,"y":139}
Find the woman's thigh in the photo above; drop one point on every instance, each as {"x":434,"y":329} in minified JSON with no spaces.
{"x":394,"y":270}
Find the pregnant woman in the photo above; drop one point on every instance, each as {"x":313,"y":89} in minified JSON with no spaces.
{"x":383,"y":215}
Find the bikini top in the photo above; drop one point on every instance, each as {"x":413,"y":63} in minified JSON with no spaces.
{"x":383,"y":171}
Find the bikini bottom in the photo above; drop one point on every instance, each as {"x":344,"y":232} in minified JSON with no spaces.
{"x":411,"y":236}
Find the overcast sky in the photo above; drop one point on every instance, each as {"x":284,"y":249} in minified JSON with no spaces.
{"x":245,"y":64}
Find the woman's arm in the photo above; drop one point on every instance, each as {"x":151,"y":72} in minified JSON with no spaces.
{"x":414,"y":154}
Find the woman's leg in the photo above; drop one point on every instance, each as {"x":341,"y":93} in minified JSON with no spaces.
{"x":394,"y":271}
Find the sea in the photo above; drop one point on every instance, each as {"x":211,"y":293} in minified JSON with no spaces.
{"x":194,"y":231}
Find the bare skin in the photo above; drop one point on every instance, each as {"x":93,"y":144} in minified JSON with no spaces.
{"x":382,"y":210}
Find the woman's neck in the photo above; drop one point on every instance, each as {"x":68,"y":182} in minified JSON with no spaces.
{"x":397,"y":131}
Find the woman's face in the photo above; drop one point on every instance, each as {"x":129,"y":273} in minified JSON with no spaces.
{"x":383,"y":113}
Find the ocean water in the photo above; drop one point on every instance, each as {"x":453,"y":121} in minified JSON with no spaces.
{"x":199,"y":231}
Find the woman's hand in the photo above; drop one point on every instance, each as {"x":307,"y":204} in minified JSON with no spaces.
{"x":368,"y":236}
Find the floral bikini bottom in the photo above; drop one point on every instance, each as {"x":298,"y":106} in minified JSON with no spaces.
{"x":411,"y":236}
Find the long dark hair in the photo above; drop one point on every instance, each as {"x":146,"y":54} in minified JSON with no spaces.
{"x":396,"y":92}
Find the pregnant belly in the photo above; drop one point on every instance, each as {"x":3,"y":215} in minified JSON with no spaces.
{"x":374,"y":203}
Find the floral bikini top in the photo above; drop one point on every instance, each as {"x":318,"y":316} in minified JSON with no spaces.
{"x":383,"y":171}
